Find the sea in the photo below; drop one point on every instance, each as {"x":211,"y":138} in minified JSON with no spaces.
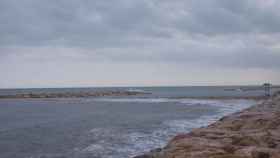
{"x":110,"y":127}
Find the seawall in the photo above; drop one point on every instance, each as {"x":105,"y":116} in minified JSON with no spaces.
{"x":251,"y":133}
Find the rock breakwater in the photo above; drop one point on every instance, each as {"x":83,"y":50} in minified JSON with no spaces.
{"x":71,"y":94}
{"x":252,"y":133}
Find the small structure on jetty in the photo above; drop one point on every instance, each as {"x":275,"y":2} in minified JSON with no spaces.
{"x":267,"y":87}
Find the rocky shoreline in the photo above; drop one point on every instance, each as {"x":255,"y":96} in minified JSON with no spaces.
{"x":252,"y":133}
{"x":71,"y":95}
{"x":225,"y":97}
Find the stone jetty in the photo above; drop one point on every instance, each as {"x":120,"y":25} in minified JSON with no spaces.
{"x":251,"y":133}
{"x":72,"y":94}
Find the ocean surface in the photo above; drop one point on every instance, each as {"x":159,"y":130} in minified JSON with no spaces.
{"x":108,"y":127}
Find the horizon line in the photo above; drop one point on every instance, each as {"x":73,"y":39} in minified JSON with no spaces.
{"x":137,"y":86}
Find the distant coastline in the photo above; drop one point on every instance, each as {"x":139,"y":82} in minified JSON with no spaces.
{"x":114,"y":94}
{"x":231,"y":92}
{"x":72,"y":94}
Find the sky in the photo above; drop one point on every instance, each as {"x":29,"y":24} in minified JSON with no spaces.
{"x":81,"y":43}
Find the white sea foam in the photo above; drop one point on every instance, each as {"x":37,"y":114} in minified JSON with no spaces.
{"x":212,"y":102}
{"x":226,"y":107}
{"x":136,"y":90}
{"x":113,"y":143}
{"x":135,"y":100}
{"x":128,"y":144}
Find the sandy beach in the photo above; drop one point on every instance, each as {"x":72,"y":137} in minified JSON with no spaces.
{"x":251,"y":133}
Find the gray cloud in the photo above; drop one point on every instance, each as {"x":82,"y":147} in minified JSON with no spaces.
{"x":193,"y":33}
{"x":97,"y":22}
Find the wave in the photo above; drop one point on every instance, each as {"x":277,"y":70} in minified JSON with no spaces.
{"x":136,"y":90}
{"x":134,"y":100}
{"x":216,"y":102}
{"x":226,"y":107}
{"x":115,"y":143}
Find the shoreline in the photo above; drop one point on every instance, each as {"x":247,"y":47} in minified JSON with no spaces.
{"x":72,"y":95}
{"x":52,"y":95}
{"x":251,"y":133}
{"x":225,"y":97}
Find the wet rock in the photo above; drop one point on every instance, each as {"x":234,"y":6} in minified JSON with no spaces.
{"x":260,"y":154}
{"x":143,"y":156}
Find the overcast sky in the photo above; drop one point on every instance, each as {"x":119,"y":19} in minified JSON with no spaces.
{"x":62,"y":43}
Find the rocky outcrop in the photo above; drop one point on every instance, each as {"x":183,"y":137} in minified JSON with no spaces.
{"x":72,"y":94}
{"x":252,"y":133}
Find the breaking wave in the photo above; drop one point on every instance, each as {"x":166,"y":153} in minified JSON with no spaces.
{"x":136,"y":90}
{"x":116,"y":143}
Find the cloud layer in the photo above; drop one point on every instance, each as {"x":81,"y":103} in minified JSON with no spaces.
{"x":185,"y":36}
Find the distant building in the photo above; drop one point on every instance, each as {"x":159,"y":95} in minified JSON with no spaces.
{"x":267,"y":87}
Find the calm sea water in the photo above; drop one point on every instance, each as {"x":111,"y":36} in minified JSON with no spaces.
{"x":108,"y":127}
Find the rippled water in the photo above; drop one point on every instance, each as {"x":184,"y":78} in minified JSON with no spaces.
{"x":102,"y":127}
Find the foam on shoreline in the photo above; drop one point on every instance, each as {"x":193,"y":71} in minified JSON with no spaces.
{"x":138,"y":142}
{"x":251,"y":133}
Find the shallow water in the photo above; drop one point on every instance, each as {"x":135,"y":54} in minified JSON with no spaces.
{"x":103,"y":127}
